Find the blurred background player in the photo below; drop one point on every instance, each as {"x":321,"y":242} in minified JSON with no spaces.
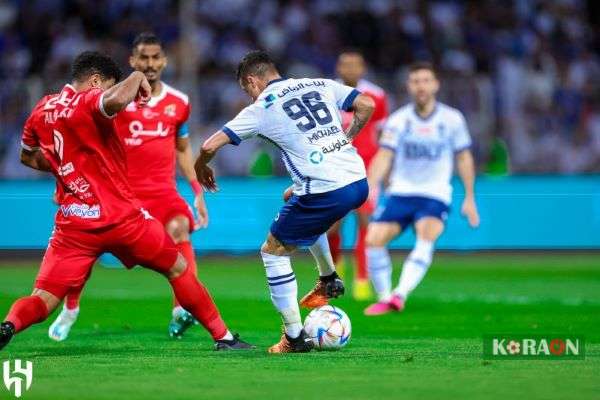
{"x":73,"y":136}
{"x":418,"y":146}
{"x":300,"y":117}
{"x":351,"y":68}
{"x":154,"y":136}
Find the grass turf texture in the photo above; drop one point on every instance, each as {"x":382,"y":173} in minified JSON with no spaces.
{"x":119,"y":347}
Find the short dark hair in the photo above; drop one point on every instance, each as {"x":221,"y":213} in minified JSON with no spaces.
{"x":419,"y":65}
{"x":146,"y":38}
{"x":93,"y":62}
{"x":256,"y":62}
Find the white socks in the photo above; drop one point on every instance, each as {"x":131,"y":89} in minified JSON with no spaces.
{"x":380,"y":271}
{"x":284,"y":291}
{"x":415,"y":267}
{"x":322,"y":254}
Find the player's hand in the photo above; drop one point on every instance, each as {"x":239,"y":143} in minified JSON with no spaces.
{"x":144,"y":92}
{"x":287,"y":193}
{"x":201,"y":211}
{"x":469,"y":210}
{"x":206,"y":177}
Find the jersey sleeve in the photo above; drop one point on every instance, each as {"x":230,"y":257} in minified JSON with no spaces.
{"x":461,"y":140}
{"x":244,"y":126}
{"x":390,"y":134}
{"x":29,"y":139}
{"x":94,"y":101}
{"x":344,"y":95}
{"x":183,"y":129}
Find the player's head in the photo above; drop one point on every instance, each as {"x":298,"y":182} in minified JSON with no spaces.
{"x":93,"y":69}
{"x":148,"y":56}
{"x":422,"y":82}
{"x":351,"y":66}
{"x":255,"y":71}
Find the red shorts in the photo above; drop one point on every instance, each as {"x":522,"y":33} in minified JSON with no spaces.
{"x":71,"y":253}
{"x":166,"y":207}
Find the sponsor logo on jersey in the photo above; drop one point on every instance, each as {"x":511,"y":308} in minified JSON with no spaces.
{"x":430,"y":151}
{"x":335,"y":146}
{"x":170,"y":110}
{"x":269,"y":100}
{"x":149,"y":114}
{"x":66,"y":169}
{"x":315,"y":157}
{"x":81,"y":211}
{"x":136,"y":128}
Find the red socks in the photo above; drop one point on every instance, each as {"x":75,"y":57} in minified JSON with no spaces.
{"x":187,"y":251}
{"x":335,"y":241}
{"x":27,"y":311}
{"x":195,"y":299}
{"x":360,"y":254}
{"x":72,"y":298}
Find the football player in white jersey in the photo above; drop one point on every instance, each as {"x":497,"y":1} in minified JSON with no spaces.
{"x":418,"y":147}
{"x":302,"y":118}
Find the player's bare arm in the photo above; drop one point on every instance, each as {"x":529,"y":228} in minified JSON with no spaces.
{"x":185,"y":160}
{"x":35,"y":159}
{"x":380,"y":167}
{"x":134,"y":87}
{"x":466,"y":170}
{"x":208,"y":150}
{"x":363,"y":107}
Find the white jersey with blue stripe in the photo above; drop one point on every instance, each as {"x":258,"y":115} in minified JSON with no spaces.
{"x":302,"y":118}
{"x":424,"y":150}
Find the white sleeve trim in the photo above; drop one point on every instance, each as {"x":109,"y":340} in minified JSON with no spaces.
{"x":27,"y":147}
{"x":101,"y":108}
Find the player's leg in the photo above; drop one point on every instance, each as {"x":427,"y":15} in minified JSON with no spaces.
{"x":361,"y":290}
{"x":284,"y":295}
{"x":66,"y":264}
{"x":379,"y":234}
{"x":329,"y":284}
{"x":335,"y":245}
{"x":145,"y":242}
{"x":61,"y":327}
{"x":417,"y":263}
{"x":178,"y":228}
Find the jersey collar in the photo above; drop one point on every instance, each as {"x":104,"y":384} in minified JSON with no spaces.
{"x":163,"y":92}
{"x":276,"y":80}
{"x":428,"y":117}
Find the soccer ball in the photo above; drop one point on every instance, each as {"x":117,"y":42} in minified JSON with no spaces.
{"x":329,"y":327}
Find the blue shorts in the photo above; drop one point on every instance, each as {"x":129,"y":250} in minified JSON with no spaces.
{"x":406,"y":210}
{"x":303,"y":219}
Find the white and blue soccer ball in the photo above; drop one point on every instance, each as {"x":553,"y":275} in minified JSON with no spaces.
{"x":329,"y":327}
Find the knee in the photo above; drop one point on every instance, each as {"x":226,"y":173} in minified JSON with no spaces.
{"x":178,"y":229}
{"x":275,"y":247}
{"x":178,"y":269}
{"x":373,"y":239}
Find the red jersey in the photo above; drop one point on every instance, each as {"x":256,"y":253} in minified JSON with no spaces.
{"x":149,"y":136}
{"x":366,"y":140}
{"x":79,"y":141}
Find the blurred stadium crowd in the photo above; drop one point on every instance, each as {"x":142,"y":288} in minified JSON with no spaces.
{"x":526,"y":73}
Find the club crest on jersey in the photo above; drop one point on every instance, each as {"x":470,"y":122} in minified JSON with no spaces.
{"x":170,"y":110}
{"x":269,"y":100}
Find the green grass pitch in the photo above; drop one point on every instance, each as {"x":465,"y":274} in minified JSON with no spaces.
{"x":119,"y":348}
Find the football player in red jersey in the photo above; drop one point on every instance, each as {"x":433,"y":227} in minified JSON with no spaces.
{"x":351,"y":67}
{"x":154,"y":137}
{"x":73,"y":136}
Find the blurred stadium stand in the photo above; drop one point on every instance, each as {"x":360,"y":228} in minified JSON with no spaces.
{"x":525,"y":73}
